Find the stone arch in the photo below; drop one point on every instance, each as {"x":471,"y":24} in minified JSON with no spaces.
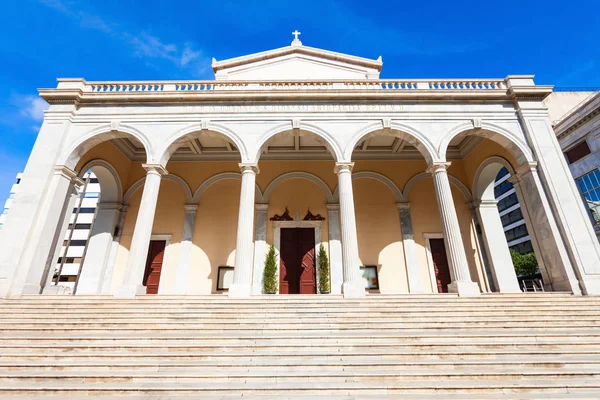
{"x":110,"y":183}
{"x":415,"y":138}
{"x":518,"y":148}
{"x":174,"y":140}
{"x":378,"y":177}
{"x":298,"y":175}
{"x":101,"y":134}
{"x":329,"y":141}
{"x":219,"y":177}
{"x":453,"y":180}
{"x":171,"y":177}
{"x":485,"y":177}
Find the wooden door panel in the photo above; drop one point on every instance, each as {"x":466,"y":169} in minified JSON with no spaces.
{"x":154,"y":262}
{"x":440,"y":264}
{"x":297,"y":272}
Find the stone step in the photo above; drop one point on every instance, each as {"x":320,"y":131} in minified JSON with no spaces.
{"x":303,"y":340}
{"x":301,"y":358}
{"x":58,"y":387}
{"x":331,"y":348}
{"x":317,"y":366}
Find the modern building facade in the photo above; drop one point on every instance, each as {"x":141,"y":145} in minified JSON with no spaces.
{"x":578,"y":133}
{"x":72,"y":248}
{"x":297,"y":147}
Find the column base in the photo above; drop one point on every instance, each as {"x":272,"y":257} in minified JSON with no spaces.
{"x":353,"y":289}
{"x":239,"y":290}
{"x":53,"y":290}
{"x":464,"y":288}
{"x":129,"y":291}
{"x":31,"y":289}
{"x":572,"y":285}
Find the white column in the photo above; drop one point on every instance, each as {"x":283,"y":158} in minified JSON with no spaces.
{"x":353,"y":285}
{"x":242,"y":273}
{"x":497,"y":248}
{"x":260,"y":247}
{"x":32,"y":272}
{"x":185,"y":255}
{"x":98,"y":249}
{"x":455,"y":249}
{"x":335,"y":248}
{"x":114,"y":250}
{"x":138,"y":252}
{"x":553,"y":258}
{"x":410,"y":249}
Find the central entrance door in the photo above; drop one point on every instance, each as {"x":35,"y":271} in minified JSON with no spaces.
{"x":154,"y":262}
{"x":297,"y":272}
{"x":440,"y":264}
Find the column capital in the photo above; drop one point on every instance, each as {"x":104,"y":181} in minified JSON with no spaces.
{"x":438,"y":166}
{"x":109,"y":206}
{"x":249,"y":167}
{"x":65,"y":171}
{"x":526,"y":168}
{"x":343,"y":167}
{"x":261,"y":207}
{"x":483,"y":204}
{"x":333,"y":206}
{"x":191,"y":208}
{"x":155,"y":169}
{"x":403,"y":205}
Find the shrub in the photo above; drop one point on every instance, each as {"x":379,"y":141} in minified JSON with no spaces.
{"x":324,"y":286}
{"x":525,"y":264}
{"x":270,"y":272}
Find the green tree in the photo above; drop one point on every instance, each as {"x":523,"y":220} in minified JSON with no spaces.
{"x":525,"y":264}
{"x":324,"y":286}
{"x":270,"y":272}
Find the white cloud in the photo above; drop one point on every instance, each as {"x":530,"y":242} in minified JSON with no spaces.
{"x":144,"y":45}
{"x":30,"y":107}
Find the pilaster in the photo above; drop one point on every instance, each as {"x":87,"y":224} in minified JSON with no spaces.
{"x":410,"y":250}
{"x":335,"y":248}
{"x":260,"y":247}
{"x":185,"y":252}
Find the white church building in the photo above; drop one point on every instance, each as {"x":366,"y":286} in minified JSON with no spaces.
{"x":297,"y":147}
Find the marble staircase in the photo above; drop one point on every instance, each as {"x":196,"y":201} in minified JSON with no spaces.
{"x":544,"y":345}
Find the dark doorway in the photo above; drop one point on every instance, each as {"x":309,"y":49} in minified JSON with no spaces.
{"x":154,"y":262}
{"x":440,"y":264}
{"x":297,"y":273}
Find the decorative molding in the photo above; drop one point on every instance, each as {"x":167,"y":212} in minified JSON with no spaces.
{"x":283,"y":217}
{"x":310,"y":217}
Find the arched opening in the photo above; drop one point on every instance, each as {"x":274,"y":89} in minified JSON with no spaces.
{"x":504,"y":230}
{"x":296,"y":171}
{"x":88,"y":230}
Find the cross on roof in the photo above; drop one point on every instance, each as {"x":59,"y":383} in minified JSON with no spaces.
{"x":296,"y":33}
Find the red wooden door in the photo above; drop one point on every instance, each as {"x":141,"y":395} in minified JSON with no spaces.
{"x":440,"y":264}
{"x":156,"y":253}
{"x":297,"y":273}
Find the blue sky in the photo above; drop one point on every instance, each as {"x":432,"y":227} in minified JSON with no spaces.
{"x":176,"y":39}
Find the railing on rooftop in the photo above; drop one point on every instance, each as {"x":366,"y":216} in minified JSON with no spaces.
{"x":382,"y":84}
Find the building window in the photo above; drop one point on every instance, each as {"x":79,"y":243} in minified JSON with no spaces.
{"x":523,"y":248}
{"x":91,"y":195}
{"x":578,"y":152}
{"x":589,"y":184}
{"x":512,"y":217}
{"x":93,"y":180}
{"x":83,"y":226}
{"x":85,"y":210}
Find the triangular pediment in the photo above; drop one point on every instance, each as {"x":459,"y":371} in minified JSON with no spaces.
{"x":297,"y":62}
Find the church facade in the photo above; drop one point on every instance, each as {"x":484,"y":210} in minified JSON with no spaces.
{"x":297,"y":148}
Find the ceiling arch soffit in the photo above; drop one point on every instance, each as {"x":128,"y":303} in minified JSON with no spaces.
{"x":398,"y":129}
{"x":507,"y":139}
{"x":101,"y":134}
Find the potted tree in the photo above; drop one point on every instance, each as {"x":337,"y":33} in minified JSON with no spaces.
{"x":324,"y":285}
{"x":270,"y":273}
